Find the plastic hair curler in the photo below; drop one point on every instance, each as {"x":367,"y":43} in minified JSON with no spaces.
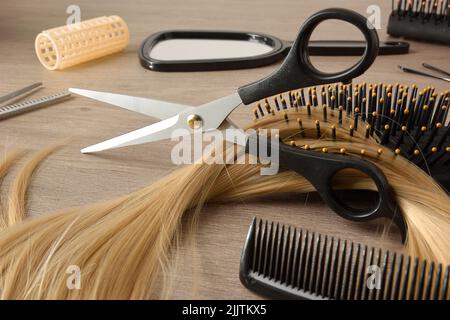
{"x":66,"y":46}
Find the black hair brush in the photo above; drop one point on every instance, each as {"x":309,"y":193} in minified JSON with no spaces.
{"x":283,"y":262}
{"x":413,"y":123}
{"x":426,"y":20}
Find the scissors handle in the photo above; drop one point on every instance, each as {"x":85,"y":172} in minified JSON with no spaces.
{"x":297,"y":70}
{"x":320,"y":169}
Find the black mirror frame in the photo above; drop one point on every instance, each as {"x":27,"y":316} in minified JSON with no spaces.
{"x":278,"y":52}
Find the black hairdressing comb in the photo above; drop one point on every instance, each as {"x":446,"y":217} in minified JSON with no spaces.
{"x":284,"y":262}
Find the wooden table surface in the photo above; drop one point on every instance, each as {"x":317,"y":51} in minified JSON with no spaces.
{"x":69,"y":178}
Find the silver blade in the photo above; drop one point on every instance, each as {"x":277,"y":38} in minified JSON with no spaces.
{"x":150,"y":107}
{"x":213,"y":116}
{"x":215,"y":112}
{"x":157,"y":131}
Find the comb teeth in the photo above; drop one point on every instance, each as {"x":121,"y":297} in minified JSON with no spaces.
{"x":414,"y":123}
{"x":286,"y":262}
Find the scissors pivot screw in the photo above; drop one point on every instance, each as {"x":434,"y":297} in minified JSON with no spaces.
{"x":194,"y":121}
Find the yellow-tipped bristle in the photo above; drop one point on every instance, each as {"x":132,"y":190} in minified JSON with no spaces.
{"x":255,"y":113}
{"x":367,"y":135}
{"x":260,"y":109}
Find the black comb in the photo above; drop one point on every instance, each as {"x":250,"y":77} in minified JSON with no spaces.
{"x":414,"y":123}
{"x":284,"y":262}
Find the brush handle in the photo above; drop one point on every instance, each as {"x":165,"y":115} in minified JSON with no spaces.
{"x":354,"y":48}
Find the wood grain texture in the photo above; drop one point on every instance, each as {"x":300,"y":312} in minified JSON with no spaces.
{"x":69,"y":178}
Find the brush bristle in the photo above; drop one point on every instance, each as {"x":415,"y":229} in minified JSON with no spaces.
{"x":286,"y":262}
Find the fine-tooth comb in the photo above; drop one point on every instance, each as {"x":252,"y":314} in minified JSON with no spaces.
{"x":411,"y":122}
{"x":427,"y":20}
{"x":284,"y":262}
{"x":32,"y":104}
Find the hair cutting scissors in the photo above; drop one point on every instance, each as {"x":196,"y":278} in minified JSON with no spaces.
{"x":295,"y":72}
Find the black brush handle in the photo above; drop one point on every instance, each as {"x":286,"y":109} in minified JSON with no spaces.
{"x":354,"y":48}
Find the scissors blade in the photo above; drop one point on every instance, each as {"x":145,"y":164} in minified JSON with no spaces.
{"x":154,"y":132}
{"x":213,"y":116}
{"x":150,"y":107}
{"x":214,"y":113}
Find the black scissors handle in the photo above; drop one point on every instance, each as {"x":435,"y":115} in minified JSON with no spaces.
{"x":321,"y":168}
{"x":297,"y":70}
